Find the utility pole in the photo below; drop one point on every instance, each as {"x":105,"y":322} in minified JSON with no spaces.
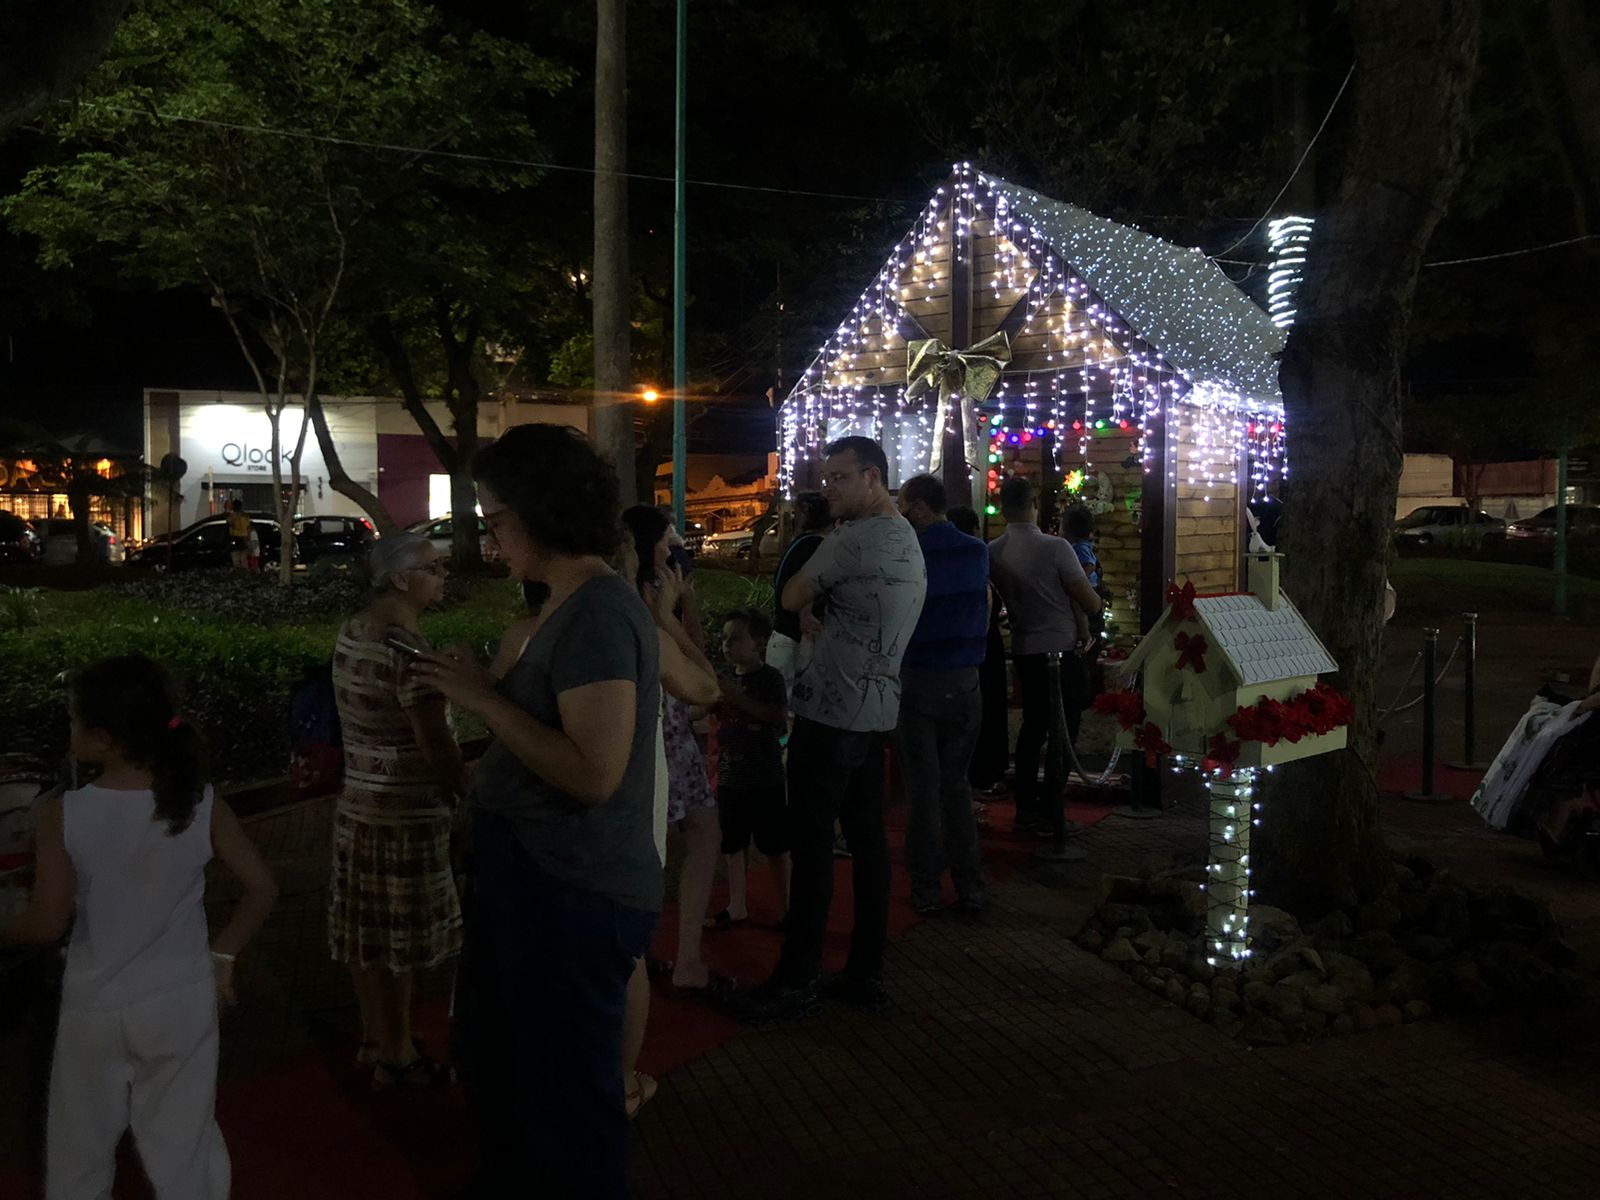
{"x":680,"y":275}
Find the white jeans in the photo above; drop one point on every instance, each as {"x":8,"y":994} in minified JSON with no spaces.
{"x":152,"y":1067}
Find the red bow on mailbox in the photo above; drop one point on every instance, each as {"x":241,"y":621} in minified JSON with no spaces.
{"x":1191,"y":651}
{"x":1182,"y":601}
{"x":1148,"y":738}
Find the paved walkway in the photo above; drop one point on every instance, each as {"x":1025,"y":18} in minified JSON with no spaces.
{"x":1014,"y":1064}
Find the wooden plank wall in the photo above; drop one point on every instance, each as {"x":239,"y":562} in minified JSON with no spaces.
{"x":1117,"y":533}
{"x":1209,"y":542}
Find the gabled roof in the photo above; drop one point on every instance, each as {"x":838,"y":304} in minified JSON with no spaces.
{"x":1260,"y":645}
{"x":1173,"y":297}
{"x":1263,"y":644}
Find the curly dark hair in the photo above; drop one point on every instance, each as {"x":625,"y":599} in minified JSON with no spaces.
{"x":563,"y":491}
{"x":756,"y":623}
{"x":646,"y":526}
{"x":132,"y":699}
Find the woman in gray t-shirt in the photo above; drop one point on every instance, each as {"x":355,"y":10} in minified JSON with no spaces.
{"x":565,"y":885}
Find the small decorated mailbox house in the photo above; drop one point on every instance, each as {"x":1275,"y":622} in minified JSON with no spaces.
{"x":1230,"y":683}
{"x":1232,"y":679}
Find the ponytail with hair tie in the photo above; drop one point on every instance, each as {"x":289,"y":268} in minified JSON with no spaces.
{"x":121,"y":697}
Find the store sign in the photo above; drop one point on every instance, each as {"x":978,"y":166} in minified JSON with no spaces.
{"x":243,"y":456}
{"x":234,"y":442}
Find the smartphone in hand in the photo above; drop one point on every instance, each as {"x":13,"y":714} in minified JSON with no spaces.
{"x":408,"y":651}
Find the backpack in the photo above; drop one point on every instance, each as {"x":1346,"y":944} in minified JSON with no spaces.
{"x":316,"y":753}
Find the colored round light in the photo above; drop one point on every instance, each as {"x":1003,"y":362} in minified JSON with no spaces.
{"x":990,"y":510}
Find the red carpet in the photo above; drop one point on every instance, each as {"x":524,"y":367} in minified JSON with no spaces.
{"x":312,"y":1128}
{"x":1404,"y":776}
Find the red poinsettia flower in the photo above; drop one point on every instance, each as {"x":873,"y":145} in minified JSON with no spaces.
{"x":1221,"y":756}
{"x":1148,"y":738}
{"x":1126,"y":707}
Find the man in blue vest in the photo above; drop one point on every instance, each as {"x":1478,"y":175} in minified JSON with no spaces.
{"x":941,"y":708}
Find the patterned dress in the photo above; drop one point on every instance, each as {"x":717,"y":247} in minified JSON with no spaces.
{"x":688,"y":784}
{"x":392,"y":902}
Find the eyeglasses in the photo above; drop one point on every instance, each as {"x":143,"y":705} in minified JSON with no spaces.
{"x":835,"y":478}
{"x":436,"y":567}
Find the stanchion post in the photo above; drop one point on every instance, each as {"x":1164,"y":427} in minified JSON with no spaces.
{"x":1430,"y":655}
{"x":1054,"y":792}
{"x":1469,"y":703}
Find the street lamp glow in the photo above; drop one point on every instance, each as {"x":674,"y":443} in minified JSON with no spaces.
{"x":650,"y":395}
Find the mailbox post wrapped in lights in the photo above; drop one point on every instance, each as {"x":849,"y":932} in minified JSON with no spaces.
{"x":1229,"y":684}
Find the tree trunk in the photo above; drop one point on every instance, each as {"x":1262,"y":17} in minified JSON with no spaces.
{"x":1320,"y":840}
{"x":611,"y":423}
{"x":465,"y":392}
{"x":338,"y":479}
{"x":465,"y":551}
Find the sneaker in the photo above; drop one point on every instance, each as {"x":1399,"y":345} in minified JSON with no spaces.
{"x":774,"y":1000}
{"x":864,"y":995}
{"x":840,"y":848}
{"x":926,"y":910}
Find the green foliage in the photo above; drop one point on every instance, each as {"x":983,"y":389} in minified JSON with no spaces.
{"x":719,"y":593}
{"x":237,"y":644}
{"x":19,"y":608}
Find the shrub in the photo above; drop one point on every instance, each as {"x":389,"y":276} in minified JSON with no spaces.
{"x":237,"y":657}
{"x":19,"y":607}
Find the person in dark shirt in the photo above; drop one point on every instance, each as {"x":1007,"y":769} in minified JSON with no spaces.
{"x":751,"y":795}
{"x":783,"y":648}
{"x":1080,"y":532}
{"x":993,"y":753}
{"x":941,"y":710}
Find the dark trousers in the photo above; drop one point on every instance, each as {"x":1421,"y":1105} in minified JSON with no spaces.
{"x":544,"y":976}
{"x":992,"y":754}
{"x":1033,"y":677}
{"x":835,"y":775}
{"x":940,"y":714}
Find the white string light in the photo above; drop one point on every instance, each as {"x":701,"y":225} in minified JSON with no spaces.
{"x":1130,"y":329}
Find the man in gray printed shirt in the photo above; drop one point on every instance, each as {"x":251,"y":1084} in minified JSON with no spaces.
{"x":846,"y":702}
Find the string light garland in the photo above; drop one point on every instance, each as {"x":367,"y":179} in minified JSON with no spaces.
{"x":1288,"y":239}
{"x":1113,"y":331}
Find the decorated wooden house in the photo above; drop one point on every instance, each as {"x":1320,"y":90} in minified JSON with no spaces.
{"x":1112,"y":367}
{"x":1231,"y":680}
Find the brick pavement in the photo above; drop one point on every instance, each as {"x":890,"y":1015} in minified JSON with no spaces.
{"x":1014,"y":1064}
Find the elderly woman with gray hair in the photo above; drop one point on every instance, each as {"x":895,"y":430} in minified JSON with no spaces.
{"x":393,"y":908}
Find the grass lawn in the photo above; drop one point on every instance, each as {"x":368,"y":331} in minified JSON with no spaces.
{"x":1430,"y":588}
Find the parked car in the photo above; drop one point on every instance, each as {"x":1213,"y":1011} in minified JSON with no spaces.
{"x":1583,"y":526}
{"x":1444,"y":525}
{"x":329,"y":537}
{"x":735,"y":543}
{"x":18,"y":541}
{"x":206,"y":544}
{"x":61,"y":542}
{"x":441,"y":532}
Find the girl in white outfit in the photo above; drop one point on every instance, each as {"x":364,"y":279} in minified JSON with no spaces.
{"x":136,"y":1046}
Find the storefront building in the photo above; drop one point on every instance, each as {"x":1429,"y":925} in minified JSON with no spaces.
{"x":225,"y":442}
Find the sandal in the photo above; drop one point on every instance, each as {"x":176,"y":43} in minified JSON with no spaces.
{"x":724,"y":921}
{"x":644,"y":1091}
{"x":367,"y":1052}
{"x":717,"y":989}
{"x":420,"y":1072}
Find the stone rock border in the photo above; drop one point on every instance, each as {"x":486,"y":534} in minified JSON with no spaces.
{"x":1430,"y":944}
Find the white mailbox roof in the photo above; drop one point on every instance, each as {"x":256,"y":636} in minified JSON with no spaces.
{"x":1262,"y":644}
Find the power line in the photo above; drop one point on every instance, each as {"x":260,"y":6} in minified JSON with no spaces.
{"x":463,"y":155}
{"x":1456,"y":262}
{"x":1307,"y":154}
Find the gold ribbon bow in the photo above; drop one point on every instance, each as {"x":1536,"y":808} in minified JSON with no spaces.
{"x":969,"y":375}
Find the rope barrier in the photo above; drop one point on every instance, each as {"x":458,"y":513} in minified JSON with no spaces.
{"x":1437,"y":680}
